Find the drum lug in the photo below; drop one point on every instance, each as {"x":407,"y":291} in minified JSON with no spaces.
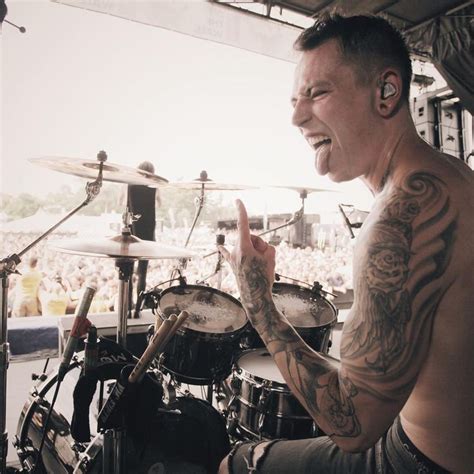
{"x":78,"y":448}
{"x":261,"y":420}
{"x":232,"y":406}
{"x":169,"y":393}
{"x":262,"y":406}
{"x":84,"y":462}
{"x":42,"y":377}
{"x":235,"y":385}
{"x":26,"y":455}
{"x":263,"y":400}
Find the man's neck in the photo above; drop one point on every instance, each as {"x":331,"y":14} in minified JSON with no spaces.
{"x":391,"y":146}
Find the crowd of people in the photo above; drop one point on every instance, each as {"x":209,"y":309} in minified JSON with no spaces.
{"x":51,"y":283}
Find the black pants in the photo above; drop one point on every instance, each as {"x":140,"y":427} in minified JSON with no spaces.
{"x":394,"y":453}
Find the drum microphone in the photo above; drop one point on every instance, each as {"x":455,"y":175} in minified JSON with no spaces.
{"x":79,"y":328}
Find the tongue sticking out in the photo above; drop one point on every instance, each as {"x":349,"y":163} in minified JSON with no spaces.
{"x":322,"y":157}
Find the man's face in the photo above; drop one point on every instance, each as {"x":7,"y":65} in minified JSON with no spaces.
{"x":334,"y":112}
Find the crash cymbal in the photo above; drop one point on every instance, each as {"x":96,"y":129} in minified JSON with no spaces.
{"x":209,"y":184}
{"x":120,"y":246}
{"x":89,"y":169}
{"x":306,"y":190}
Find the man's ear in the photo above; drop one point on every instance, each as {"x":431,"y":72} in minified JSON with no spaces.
{"x":388,"y":92}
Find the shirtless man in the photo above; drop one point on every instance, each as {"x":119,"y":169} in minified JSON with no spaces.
{"x":401,"y":399}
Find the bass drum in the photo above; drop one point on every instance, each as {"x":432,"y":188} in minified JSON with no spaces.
{"x":60,"y":451}
{"x":159,"y":449}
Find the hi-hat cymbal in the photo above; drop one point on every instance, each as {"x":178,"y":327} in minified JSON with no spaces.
{"x":89,"y":169}
{"x":120,"y":246}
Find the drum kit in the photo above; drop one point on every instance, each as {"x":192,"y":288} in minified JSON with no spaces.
{"x":158,"y":423}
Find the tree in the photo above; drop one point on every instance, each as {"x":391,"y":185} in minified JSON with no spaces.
{"x":24,"y":205}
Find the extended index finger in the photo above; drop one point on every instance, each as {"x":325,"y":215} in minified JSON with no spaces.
{"x":243,"y":222}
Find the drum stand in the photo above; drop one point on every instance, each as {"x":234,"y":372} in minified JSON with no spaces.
{"x":199,"y":204}
{"x":8,"y":266}
{"x":115,"y":440}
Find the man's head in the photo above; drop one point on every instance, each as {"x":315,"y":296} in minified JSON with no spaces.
{"x":33,"y":262}
{"x":351,"y":84}
{"x":369,"y":43}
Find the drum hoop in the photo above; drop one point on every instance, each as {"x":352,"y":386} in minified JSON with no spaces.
{"x":204,"y":334}
{"x":277,"y":414}
{"x":249,"y":377}
{"x":299,"y":288}
{"x":274,"y":386}
{"x":42,"y":389}
{"x":202,"y":287}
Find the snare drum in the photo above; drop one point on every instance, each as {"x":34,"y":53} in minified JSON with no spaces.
{"x":263,"y":405}
{"x":312,"y":316}
{"x":203,"y":349}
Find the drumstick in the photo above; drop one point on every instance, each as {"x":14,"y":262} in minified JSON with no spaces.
{"x":150,"y":352}
{"x":158,"y":322}
{"x":178,"y":322}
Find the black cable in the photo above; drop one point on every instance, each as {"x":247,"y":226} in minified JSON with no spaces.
{"x":45,"y":427}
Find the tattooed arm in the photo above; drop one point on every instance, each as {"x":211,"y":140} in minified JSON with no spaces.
{"x":399,"y":279}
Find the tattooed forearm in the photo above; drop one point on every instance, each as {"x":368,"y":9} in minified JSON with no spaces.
{"x":408,"y":251}
{"x":261,"y":309}
{"x":328,"y":393}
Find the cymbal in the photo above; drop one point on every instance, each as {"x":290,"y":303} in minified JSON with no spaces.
{"x":89,"y":169}
{"x":306,"y":190}
{"x":204,"y":182}
{"x":120,"y":246}
{"x":209,"y":185}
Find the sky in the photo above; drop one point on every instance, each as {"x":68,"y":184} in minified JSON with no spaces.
{"x":78,"y":82}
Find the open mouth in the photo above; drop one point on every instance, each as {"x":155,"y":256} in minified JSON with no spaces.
{"x":319,"y":141}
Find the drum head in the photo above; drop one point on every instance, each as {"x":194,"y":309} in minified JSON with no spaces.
{"x":260,"y":364}
{"x":210,"y":310}
{"x":302,"y":307}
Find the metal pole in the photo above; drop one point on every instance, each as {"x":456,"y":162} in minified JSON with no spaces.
{"x":120,"y":447}
{"x":125,"y":269}
{"x":4,"y":349}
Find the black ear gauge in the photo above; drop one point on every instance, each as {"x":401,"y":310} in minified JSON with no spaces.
{"x":388,"y":90}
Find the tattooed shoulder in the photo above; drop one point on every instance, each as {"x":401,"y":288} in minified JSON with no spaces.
{"x":398,"y":283}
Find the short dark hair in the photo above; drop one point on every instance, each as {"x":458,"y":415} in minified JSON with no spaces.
{"x":369,"y":42}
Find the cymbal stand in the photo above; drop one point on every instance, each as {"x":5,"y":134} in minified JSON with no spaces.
{"x":8,"y":266}
{"x":199,"y":205}
{"x":220,"y":240}
{"x":125,"y":272}
{"x":297,"y":216}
